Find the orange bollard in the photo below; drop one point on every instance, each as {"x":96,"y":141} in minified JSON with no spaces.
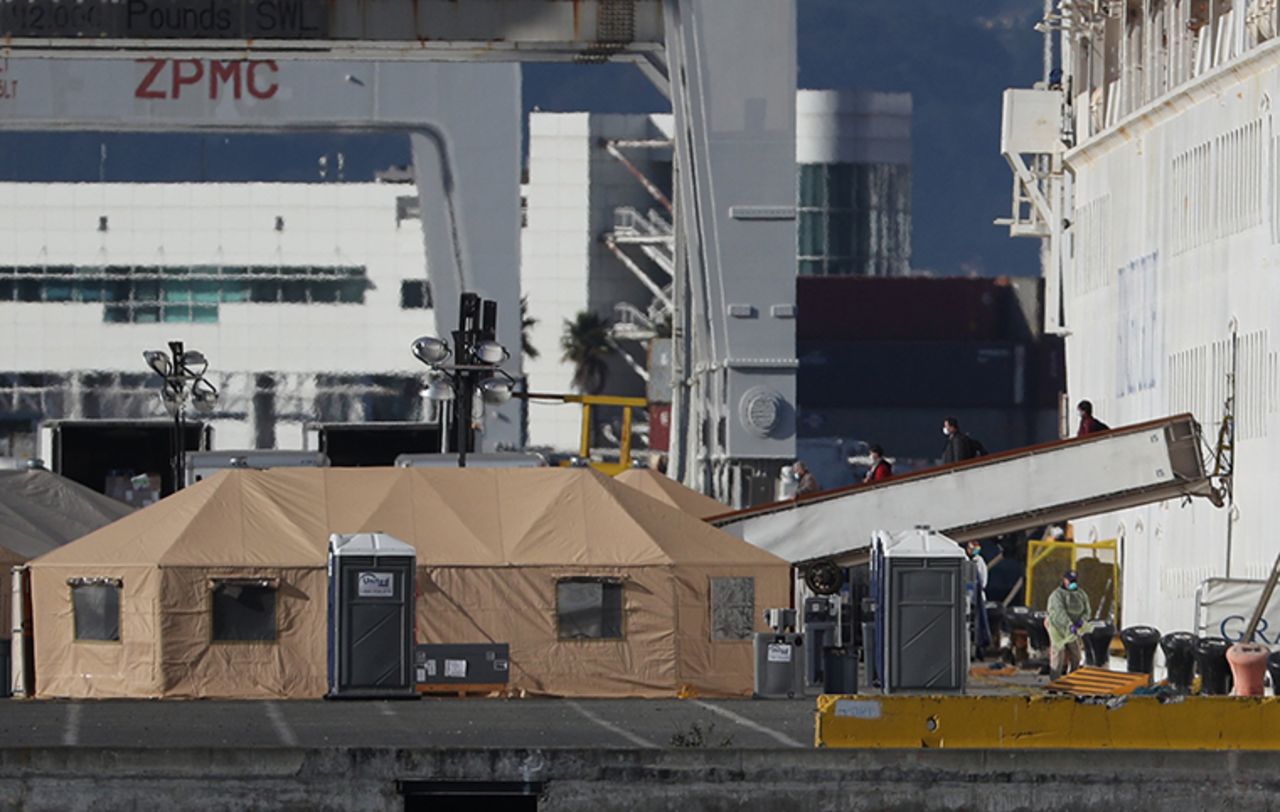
{"x":1248,"y":667}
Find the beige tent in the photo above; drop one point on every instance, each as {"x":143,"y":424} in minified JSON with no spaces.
{"x":665,"y":489}
{"x":598,"y":589}
{"x":41,"y":511}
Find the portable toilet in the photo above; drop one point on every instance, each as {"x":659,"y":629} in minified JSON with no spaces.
{"x":918,"y":587}
{"x":371,"y":616}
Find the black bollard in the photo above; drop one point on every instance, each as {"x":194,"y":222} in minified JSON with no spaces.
{"x":1211,"y":662}
{"x":1140,"y":648}
{"x":1097,"y":644}
{"x":1273,"y":668}
{"x":1179,"y":659}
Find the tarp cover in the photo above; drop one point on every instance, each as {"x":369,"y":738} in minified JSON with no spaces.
{"x":40,"y":511}
{"x":666,"y":489}
{"x":492,"y":546}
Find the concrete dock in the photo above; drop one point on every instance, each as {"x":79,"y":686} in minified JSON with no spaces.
{"x":556,"y":755}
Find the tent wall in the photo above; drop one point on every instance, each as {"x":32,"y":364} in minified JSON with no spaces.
{"x":193,"y":665}
{"x":667,"y":645}
{"x":721,"y":667}
{"x":517,"y":606}
{"x":66,"y":667}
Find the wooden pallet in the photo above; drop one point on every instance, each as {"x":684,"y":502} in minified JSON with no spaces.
{"x":460,"y":689}
{"x":1089,"y":681}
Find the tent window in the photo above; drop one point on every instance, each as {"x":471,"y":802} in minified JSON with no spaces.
{"x":733,"y":608}
{"x":97,"y":610}
{"x":244,"y":612}
{"x":589,"y":608}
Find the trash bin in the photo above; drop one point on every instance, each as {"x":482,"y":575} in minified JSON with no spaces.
{"x":1038,"y":631}
{"x":1273,"y":668}
{"x":839,"y":670}
{"x":6,"y":670}
{"x":1211,"y":661}
{"x":1179,"y":659}
{"x":1140,"y":648}
{"x":1097,"y":643}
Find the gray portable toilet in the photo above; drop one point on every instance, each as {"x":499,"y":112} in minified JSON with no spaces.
{"x":371,"y":616}
{"x":918,"y":581}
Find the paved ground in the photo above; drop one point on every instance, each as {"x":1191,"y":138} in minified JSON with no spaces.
{"x":450,"y":723}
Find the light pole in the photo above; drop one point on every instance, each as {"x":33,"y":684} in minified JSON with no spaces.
{"x":182,"y":372}
{"x":475,"y":368}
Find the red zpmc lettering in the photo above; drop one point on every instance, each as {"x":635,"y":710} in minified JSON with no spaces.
{"x":182,"y":78}
{"x":262,"y":92}
{"x":186,"y":73}
{"x":144,"y":89}
{"x":222,"y":72}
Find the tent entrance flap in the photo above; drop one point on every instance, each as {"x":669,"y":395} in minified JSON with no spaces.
{"x":371,"y":616}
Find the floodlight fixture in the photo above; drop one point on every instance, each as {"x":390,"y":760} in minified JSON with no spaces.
{"x":431,"y":350}
{"x":495,"y":390}
{"x":203,"y":395}
{"x":194,"y":358}
{"x":491,"y":352}
{"x":158,"y":361}
{"x":439,"y":388}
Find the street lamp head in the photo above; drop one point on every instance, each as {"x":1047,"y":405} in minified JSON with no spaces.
{"x":204,"y":396}
{"x":172,"y":397}
{"x":158,"y":361}
{"x":491,"y":352}
{"x":195,"y":358}
{"x":430,"y":350}
{"x":439,"y":387}
{"x":495,"y":390}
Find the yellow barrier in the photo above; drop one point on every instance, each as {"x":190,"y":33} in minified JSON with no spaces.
{"x":1016,"y":722}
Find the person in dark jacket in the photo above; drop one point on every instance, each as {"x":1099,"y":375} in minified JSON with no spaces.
{"x":806,"y":482}
{"x":960,"y":446}
{"x":880,"y":469}
{"x":1088,"y":423}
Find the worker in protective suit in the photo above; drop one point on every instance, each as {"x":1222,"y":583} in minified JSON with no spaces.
{"x":1068,"y":612}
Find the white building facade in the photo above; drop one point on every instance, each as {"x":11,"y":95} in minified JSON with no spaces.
{"x":304,"y":297}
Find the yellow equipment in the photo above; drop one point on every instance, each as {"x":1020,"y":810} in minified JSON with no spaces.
{"x":1099,"y":573}
{"x":584,"y":445}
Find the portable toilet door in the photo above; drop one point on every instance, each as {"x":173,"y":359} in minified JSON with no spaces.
{"x":371,"y":616}
{"x":921,"y":612}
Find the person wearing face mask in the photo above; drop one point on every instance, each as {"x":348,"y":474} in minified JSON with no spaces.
{"x":978,"y":598}
{"x":806,"y":482}
{"x":880,"y":469}
{"x":1068,"y":612}
{"x":1088,"y":423}
{"x":960,"y":446}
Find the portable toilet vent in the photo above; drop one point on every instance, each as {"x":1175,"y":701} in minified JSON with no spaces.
{"x":371,"y":612}
{"x":918,"y":585}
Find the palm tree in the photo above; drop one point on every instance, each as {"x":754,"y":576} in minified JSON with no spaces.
{"x":527,"y":323}
{"x":586,"y":345}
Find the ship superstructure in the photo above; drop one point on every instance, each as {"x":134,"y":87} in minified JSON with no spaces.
{"x":1147,"y":161}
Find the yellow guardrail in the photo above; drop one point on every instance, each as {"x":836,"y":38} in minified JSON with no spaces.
{"x":1017,"y":722}
{"x":1098,"y":563}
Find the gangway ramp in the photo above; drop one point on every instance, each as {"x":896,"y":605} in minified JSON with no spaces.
{"x":989,"y":495}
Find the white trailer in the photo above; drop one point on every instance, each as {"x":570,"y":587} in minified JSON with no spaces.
{"x":989,"y":495}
